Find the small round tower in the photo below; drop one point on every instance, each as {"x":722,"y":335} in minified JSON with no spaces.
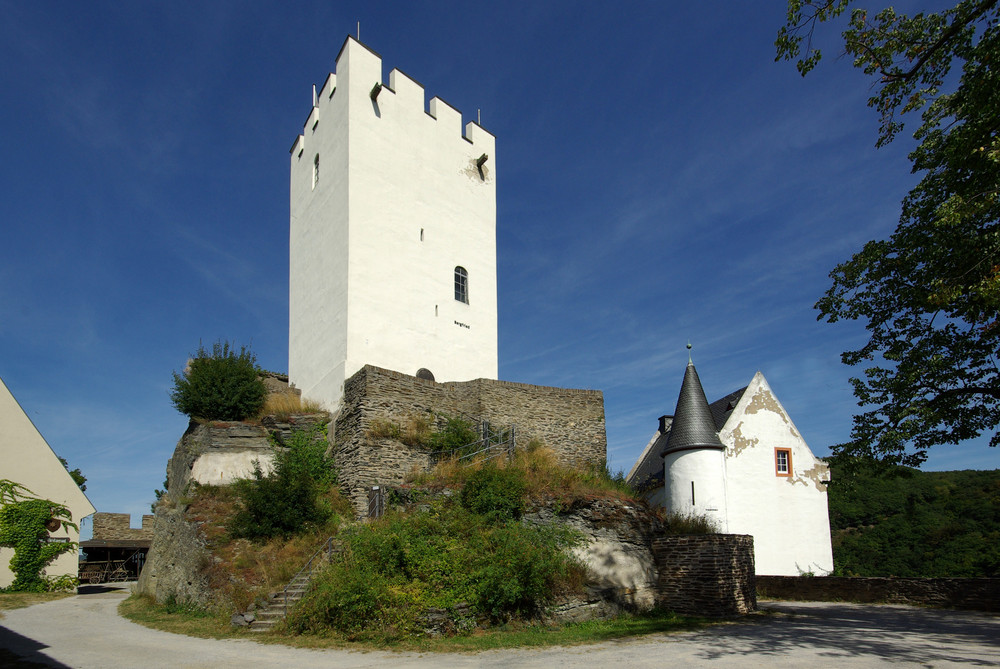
{"x":694,"y":464}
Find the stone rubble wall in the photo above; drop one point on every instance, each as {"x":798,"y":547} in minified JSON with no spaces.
{"x":706,"y":574}
{"x":118,"y":527}
{"x":569,"y":421}
{"x":977,"y":594}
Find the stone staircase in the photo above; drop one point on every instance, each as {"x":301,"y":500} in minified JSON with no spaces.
{"x":279,"y":603}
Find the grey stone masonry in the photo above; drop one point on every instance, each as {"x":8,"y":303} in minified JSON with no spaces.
{"x":569,"y":421}
{"x":118,"y":527}
{"x":706,"y":574}
{"x":977,"y":594}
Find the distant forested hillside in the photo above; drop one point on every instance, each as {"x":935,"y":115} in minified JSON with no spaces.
{"x":913,"y":523}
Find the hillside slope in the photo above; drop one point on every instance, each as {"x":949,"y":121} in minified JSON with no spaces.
{"x":917,"y":523}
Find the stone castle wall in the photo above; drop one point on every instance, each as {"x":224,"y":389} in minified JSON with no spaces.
{"x":569,"y":421}
{"x":118,"y":527}
{"x":706,"y":574}
{"x":977,"y":594}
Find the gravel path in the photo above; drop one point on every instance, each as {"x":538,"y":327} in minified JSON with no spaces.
{"x":85,"y":631}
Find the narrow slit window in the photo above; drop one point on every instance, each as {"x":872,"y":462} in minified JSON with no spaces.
{"x":461,"y":285}
{"x":315,"y":170}
{"x":783,"y":461}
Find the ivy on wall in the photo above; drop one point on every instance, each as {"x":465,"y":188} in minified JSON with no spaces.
{"x":25,"y":523}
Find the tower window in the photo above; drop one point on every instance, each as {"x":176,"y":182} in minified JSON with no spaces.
{"x":783,"y":461}
{"x":461,"y":285}
{"x":316,"y":170}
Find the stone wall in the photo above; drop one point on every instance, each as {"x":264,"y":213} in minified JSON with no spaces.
{"x":118,"y":527}
{"x":706,"y":574}
{"x":980,"y":594}
{"x":569,"y":421}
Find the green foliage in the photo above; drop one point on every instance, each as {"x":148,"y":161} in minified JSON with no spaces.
{"x":930,"y":294}
{"x":286,"y":501}
{"x":78,"y":478}
{"x":456,"y":434}
{"x":494,"y":493}
{"x":22,"y":527}
{"x":394,"y":569}
{"x":903,"y":522}
{"x":221,"y":384}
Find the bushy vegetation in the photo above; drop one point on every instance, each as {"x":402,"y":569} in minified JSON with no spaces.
{"x":495,"y":493}
{"x":243,"y":571}
{"x":287,"y":500}
{"x":221,"y":384}
{"x":905,"y":522}
{"x":419,"y":430}
{"x":472,"y":566}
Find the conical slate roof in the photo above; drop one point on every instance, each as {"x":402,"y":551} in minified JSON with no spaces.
{"x":693,"y":426}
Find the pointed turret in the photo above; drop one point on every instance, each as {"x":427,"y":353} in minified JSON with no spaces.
{"x":693,"y":427}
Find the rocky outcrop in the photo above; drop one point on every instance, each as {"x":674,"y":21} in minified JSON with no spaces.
{"x":175,"y":564}
{"x":218,"y":452}
{"x":616,"y":550}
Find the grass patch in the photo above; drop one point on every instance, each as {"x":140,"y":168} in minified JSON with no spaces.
{"x":177,"y":619}
{"x":544,"y":477}
{"x":285,"y":405}
{"x":19,"y":600}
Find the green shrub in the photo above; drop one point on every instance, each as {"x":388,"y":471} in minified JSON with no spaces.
{"x":495,"y":493}
{"x":394,"y":569}
{"x":220,"y":385}
{"x":456,"y":434}
{"x":286,"y":501}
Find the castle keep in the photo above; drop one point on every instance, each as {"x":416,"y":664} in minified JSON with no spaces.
{"x":393,"y":234}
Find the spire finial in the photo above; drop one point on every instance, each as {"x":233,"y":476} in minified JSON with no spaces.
{"x":690,"y":362}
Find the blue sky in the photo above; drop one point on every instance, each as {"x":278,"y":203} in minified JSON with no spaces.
{"x":662,"y":180}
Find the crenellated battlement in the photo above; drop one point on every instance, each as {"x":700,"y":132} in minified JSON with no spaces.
{"x":359,"y":76}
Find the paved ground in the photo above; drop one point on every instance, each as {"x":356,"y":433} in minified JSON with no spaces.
{"x":85,"y":631}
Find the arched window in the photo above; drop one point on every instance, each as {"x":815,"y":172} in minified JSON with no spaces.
{"x":316,"y":170}
{"x":461,"y":285}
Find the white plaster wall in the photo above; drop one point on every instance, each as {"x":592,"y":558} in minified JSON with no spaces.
{"x":787,"y":516}
{"x":707,"y":470}
{"x":224,"y":467}
{"x":26,"y":458}
{"x":377,"y":293}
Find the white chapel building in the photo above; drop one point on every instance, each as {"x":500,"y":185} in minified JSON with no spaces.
{"x":742,"y":462}
{"x":392,"y":234}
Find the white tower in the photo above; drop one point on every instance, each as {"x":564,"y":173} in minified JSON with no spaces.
{"x":694,"y":463}
{"x":393,"y":234}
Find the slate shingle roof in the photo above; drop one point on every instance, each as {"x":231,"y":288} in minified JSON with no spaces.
{"x":693,"y":426}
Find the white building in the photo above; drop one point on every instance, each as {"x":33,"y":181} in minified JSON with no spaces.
{"x":393,"y":234}
{"x":742,"y":462}
{"x":27,"y":459}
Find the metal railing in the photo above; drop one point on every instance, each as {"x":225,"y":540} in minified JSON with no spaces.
{"x":306,"y":571}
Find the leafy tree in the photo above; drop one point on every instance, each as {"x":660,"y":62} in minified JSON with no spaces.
{"x":76,"y":474}
{"x":930,"y":293}
{"x":223,"y":384}
{"x":24,"y":525}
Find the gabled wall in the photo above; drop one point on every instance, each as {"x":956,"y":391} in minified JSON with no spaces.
{"x":26,"y":458}
{"x":787,"y":515}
